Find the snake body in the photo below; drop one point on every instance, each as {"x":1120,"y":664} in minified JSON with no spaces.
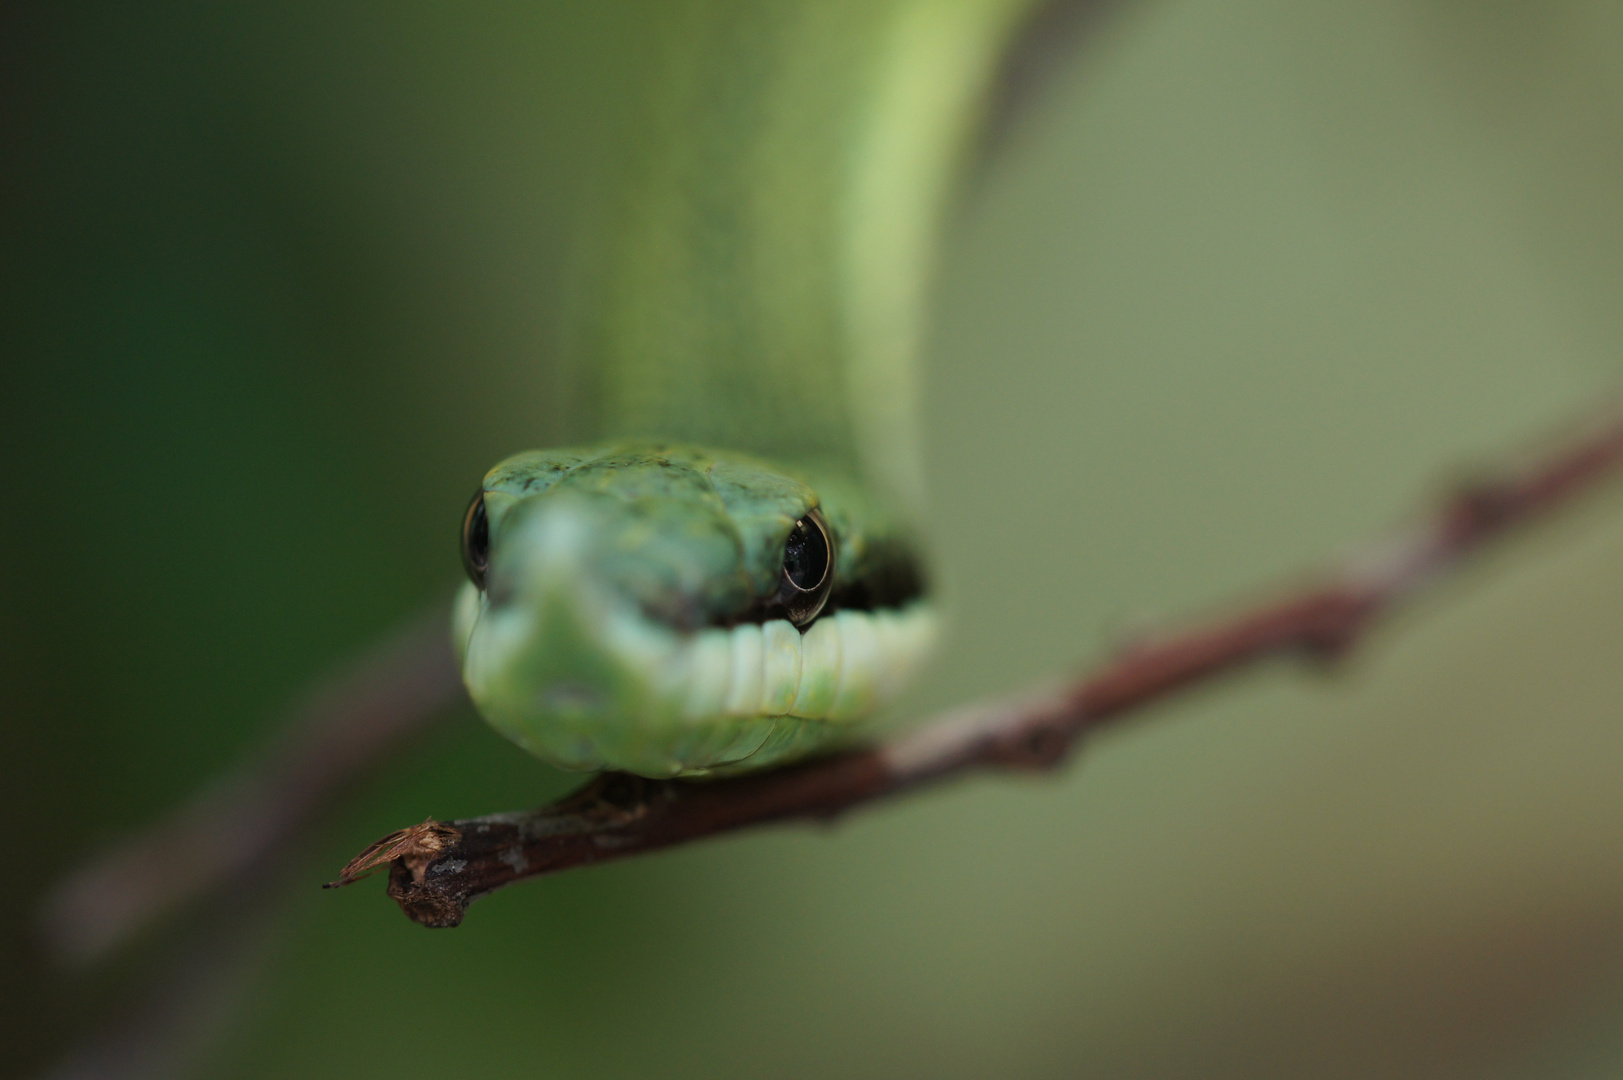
{"x":733,"y":575}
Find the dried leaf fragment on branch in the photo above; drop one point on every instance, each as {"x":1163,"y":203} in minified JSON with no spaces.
{"x":438,"y":868}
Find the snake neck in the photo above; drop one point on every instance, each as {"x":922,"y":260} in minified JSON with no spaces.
{"x":757,"y":268}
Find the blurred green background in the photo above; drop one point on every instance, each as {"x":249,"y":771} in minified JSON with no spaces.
{"x":1250,"y":281}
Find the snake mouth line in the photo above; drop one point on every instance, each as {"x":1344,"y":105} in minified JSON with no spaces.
{"x":891,"y":582}
{"x":863,"y":597}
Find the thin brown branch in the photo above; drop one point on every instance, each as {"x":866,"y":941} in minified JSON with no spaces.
{"x":169,"y":1021}
{"x":438,"y":868}
{"x":249,"y":817}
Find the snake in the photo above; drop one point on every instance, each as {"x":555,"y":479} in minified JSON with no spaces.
{"x":731,"y":571}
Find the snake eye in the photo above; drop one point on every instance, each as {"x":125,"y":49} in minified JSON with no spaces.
{"x":476,"y":541}
{"x":808,"y":569}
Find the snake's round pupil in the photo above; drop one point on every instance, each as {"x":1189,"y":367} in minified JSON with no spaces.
{"x":808,"y":569}
{"x":805,"y":556}
{"x":476,"y":540}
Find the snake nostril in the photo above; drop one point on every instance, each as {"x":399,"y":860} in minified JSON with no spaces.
{"x":573,"y":697}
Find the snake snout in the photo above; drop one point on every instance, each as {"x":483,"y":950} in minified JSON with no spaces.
{"x":586,"y":621}
{"x":675,"y":562}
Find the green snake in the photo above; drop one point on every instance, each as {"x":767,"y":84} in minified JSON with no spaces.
{"x":733,"y":574}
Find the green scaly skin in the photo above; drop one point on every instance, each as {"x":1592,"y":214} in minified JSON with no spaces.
{"x":750,"y":279}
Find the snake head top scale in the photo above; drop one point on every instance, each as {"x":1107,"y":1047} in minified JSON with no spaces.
{"x":668,"y":610}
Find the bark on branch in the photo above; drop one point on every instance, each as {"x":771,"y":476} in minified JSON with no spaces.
{"x":436,"y":869}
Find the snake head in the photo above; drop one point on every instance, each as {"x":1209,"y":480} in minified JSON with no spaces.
{"x":661,"y":609}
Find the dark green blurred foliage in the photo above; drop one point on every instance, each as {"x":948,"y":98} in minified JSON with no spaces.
{"x":1250,"y":281}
